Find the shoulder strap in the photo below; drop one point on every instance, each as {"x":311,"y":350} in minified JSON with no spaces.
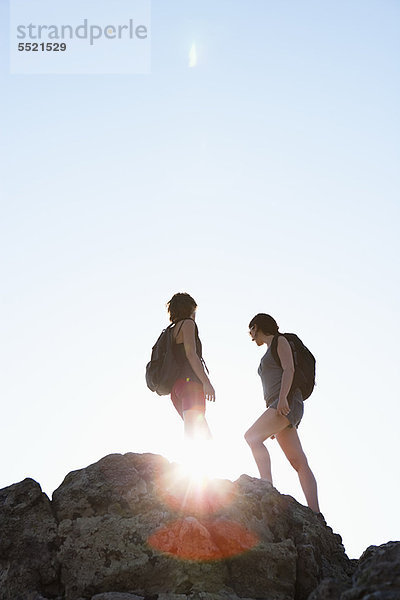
{"x":180,"y":327}
{"x":196,"y":331}
{"x":172,"y":327}
{"x":182,"y":322}
{"x":274,"y":349}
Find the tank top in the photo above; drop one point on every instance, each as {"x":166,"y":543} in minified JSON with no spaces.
{"x":271,"y":376}
{"x":186,"y":371}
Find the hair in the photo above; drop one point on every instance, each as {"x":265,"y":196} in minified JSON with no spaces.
{"x":180,"y":307}
{"x":266,"y":323}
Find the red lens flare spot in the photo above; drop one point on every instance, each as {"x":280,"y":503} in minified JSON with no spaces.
{"x":194,"y":539}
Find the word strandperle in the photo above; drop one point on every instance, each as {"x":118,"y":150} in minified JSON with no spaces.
{"x":83,"y":32}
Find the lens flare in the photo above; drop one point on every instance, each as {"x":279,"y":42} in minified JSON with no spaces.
{"x":198,"y":540}
{"x":201,"y":530}
{"x":197,"y":461}
{"x":190,"y":487}
{"x":193,"y":56}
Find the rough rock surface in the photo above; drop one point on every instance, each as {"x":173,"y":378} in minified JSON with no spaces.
{"x":28,"y":542}
{"x":376,"y":577}
{"x":133,"y":527}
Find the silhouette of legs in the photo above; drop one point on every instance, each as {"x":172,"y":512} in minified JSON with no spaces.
{"x":270,"y":423}
{"x":289,"y":441}
{"x":195,"y":425}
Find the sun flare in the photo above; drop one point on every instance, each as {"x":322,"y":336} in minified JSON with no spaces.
{"x":193,"y":56}
{"x":197,"y":462}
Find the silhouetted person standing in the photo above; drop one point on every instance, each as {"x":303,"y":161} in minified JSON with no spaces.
{"x":284,"y":410}
{"x":193,"y":387}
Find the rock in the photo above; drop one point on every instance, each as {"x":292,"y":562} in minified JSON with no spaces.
{"x":133,"y":527}
{"x":319,"y":552}
{"x":116,"y":596}
{"x":131,"y":523}
{"x":28,"y":538}
{"x":269,"y":570}
{"x":117,"y":484}
{"x":33,"y":596}
{"x":377,"y":576}
{"x":330,"y":589}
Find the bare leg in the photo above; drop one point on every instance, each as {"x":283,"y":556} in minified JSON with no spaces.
{"x":270,"y":423}
{"x":289,"y":441}
{"x":195,"y":425}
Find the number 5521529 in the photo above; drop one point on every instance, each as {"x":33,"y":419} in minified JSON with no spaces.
{"x":43,"y":47}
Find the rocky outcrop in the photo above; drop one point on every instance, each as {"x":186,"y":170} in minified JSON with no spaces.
{"x":134,"y":527}
{"x":28,"y":542}
{"x":376,"y":577}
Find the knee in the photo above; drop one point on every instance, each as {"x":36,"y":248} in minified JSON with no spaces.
{"x":298,"y":462}
{"x":251,"y":439}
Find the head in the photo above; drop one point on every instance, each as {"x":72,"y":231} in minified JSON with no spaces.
{"x":264,"y":324}
{"x":181,"y":306}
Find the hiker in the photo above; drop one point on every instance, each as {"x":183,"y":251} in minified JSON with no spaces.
{"x":284,"y":408}
{"x":193,"y":387}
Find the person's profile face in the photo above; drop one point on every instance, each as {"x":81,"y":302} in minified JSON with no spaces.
{"x":253,"y":333}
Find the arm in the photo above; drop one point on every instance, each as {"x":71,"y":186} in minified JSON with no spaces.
{"x":189,"y":342}
{"x":286,"y":357}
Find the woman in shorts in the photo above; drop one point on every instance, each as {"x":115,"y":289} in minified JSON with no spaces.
{"x":193,"y":387}
{"x":284,"y":411}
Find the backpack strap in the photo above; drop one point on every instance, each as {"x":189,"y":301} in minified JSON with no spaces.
{"x":180,"y":327}
{"x":196,"y":335}
{"x":274,"y":349}
{"x":275,"y":355}
{"x":173,"y":325}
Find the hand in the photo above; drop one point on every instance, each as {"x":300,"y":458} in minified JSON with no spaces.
{"x":209,"y":392}
{"x":283,"y":407}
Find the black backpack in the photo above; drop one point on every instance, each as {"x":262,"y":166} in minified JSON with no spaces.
{"x":304,"y":364}
{"x":163,"y":369}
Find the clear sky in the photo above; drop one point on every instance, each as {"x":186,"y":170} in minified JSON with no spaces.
{"x":265,"y":179}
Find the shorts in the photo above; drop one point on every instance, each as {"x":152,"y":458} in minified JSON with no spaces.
{"x":296,"y":405}
{"x":188,"y":395}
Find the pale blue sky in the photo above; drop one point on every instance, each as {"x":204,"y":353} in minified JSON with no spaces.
{"x":265,"y":179}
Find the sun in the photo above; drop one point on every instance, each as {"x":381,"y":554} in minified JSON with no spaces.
{"x":198,"y":462}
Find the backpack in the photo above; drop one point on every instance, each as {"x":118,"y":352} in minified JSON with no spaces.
{"x":163,"y":369}
{"x":304,"y":364}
